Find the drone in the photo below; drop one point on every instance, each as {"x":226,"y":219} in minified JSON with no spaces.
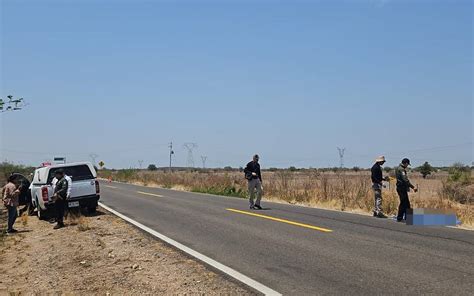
{"x":12,"y":104}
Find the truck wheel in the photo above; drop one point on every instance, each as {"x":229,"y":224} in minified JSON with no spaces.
{"x":92,"y":210}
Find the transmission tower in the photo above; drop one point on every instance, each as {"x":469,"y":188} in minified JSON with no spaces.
{"x":140,"y":163}
{"x":341,"y":156}
{"x":93,"y":157}
{"x":190,"y":147}
{"x":204,"y":159}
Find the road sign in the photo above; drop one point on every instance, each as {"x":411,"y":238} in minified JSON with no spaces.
{"x":101,"y":164}
{"x":60,"y":159}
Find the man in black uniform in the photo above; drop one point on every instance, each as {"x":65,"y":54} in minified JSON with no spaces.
{"x":254,"y":178}
{"x":377,"y":185}
{"x":403,"y":187}
{"x":59,"y":197}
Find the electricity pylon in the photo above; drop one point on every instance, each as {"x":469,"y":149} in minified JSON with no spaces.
{"x":190,"y":147}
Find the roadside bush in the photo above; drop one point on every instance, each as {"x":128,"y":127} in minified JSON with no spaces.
{"x":459,"y":185}
{"x":126,"y":175}
{"x":460,"y":173}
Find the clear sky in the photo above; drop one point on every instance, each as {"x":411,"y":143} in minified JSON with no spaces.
{"x":290,"y":80}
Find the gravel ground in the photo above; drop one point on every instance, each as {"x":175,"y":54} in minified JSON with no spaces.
{"x":99,"y":255}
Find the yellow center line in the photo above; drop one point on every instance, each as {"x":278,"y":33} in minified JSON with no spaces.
{"x":281,"y":220}
{"x":152,"y":194}
{"x":108,"y":186}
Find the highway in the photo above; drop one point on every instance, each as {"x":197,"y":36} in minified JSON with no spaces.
{"x":305,"y":251}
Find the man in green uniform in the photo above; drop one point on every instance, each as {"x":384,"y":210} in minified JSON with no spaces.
{"x":59,"y":197}
{"x":403,"y":187}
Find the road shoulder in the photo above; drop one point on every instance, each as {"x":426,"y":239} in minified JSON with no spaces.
{"x":100,"y":254}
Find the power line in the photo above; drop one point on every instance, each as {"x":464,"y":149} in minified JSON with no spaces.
{"x":435,"y":148}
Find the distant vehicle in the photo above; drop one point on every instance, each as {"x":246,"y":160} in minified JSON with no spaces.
{"x":85,"y":191}
{"x":25,"y":194}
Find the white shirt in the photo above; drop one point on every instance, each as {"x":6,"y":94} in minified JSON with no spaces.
{"x":69,"y":184}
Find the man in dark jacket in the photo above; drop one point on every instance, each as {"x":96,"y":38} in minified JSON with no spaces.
{"x":59,"y":197}
{"x":254,"y":178}
{"x":403,"y":187}
{"x":377,"y":185}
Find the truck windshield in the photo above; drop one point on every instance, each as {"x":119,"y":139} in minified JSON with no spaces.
{"x":77,"y":173}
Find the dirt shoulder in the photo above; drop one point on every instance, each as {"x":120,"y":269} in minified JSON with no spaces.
{"x":99,"y":255}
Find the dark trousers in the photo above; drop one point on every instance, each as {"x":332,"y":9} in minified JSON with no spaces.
{"x":12,"y":215}
{"x":60,"y":206}
{"x":404,"y":203}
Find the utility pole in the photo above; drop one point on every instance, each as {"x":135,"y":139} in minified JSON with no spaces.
{"x":204,"y":159}
{"x":190,"y":147}
{"x":341,"y":156}
{"x":171,"y":153}
{"x":140,"y":163}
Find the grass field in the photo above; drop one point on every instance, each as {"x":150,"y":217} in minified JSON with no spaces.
{"x":343,"y":190}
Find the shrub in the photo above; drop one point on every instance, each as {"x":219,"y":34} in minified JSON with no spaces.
{"x":152,"y":167}
{"x":459,"y":173}
{"x":425,"y":170}
{"x":458,"y":186}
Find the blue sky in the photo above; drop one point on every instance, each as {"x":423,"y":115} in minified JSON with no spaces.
{"x":290,"y":80}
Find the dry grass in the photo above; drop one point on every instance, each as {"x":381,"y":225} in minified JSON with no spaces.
{"x":76,"y":219}
{"x":83,"y":224}
{"x":346,"y":191}
{"x":24,"y":219}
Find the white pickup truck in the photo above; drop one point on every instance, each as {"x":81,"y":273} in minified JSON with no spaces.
{"x":85,"y":191}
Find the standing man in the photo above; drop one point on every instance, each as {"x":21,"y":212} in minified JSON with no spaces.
{"x":377,"y":185}
{"x":59,"y":197}
{"x":403,"y":187}
{"x":69,"y":184}
{"x":254,"y":178}
{"x":68,"y":195}
{"x":11,"y":200}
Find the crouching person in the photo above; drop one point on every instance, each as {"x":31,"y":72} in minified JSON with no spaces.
{"x":59,"y":197}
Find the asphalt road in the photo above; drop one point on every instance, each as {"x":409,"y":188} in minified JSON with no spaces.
{"x":298,"y":256}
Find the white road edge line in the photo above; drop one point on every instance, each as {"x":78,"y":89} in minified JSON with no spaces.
{"x":225,"y":269}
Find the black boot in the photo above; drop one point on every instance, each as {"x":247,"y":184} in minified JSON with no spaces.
{"x":59,"y":226}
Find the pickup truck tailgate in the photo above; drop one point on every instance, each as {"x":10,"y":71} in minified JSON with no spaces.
{"x":83,"y":188}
